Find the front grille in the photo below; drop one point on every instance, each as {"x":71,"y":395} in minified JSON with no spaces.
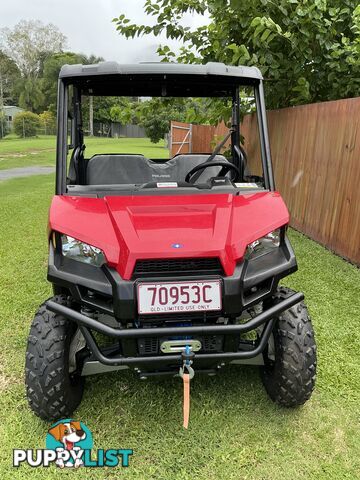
{"x":151,"y":345}
{"x":178,"y":266}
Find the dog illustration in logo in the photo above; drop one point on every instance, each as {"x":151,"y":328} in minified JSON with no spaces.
{"x":68,"y":434}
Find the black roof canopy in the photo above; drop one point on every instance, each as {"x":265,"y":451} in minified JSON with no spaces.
{"x":159,"y":79}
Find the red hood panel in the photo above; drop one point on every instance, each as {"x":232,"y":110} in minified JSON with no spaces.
{"x":140,"y":227}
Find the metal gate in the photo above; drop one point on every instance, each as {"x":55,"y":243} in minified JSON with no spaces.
{"x":180,"y":138}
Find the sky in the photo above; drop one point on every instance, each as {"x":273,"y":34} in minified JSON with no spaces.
{"x":88,"y":27}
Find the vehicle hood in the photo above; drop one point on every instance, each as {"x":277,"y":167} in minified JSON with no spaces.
{"x":128,"y":228}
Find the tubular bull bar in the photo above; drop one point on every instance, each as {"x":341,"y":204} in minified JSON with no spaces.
{"x":87,"y":324}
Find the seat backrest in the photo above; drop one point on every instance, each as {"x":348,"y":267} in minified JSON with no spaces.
{"x":117,"y":169}
{"x":131,"y":169}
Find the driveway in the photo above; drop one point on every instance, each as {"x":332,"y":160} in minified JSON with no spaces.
{"x":25,"y":172}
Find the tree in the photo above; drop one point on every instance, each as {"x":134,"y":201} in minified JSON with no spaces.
{"x":48,"y":122}
{"x":156,"y":114}
{"x":30,"y":94}
{"x":9,"y":74}
{"x":50,"y":75}
{"x":3,"y":125}
{"x":26,"y":124}
{"x":307,"y":51}
{"x":123,"y":113}
{"x":29,"y":43}
{"x":106,"y":110}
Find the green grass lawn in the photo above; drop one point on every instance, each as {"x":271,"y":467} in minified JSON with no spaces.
{"x":19,"y":152}
{"x":235,"y":431}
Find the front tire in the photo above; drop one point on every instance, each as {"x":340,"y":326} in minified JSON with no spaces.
{"x":290,"y":358}
{"x":52,"y":391}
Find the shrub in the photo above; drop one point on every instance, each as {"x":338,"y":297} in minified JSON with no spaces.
{"x":26,"y":124}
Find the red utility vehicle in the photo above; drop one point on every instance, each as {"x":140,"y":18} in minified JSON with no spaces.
{"x":176,"y":263}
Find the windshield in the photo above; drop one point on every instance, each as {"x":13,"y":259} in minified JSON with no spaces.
{"x":132,"y":144}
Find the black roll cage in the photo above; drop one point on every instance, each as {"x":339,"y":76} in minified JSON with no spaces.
{"x":143,"y":84}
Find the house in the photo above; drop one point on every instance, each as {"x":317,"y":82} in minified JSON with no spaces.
{"x":10,"y":112}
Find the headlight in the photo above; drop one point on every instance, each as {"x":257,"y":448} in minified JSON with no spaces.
{"x":81,"y":252}
{"x":263,"y":245}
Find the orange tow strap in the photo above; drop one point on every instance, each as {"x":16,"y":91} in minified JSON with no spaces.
{"x":186,"y":407}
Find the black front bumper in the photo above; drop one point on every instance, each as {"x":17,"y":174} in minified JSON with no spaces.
{"x":87,"y":324}
{"x":102,"y":290}
{"x":251,"y":282}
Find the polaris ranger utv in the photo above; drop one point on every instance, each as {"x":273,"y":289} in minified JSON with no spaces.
{"x":176,"y":263}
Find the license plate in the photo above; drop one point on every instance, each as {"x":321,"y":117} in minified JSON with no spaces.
{"x":174,"y":297}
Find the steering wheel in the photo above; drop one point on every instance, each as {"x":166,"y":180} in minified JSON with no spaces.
{"x":226,"y":167}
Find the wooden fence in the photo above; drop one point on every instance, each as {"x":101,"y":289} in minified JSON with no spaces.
{"x":316,"y":157}
{"x":187,"y":138}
